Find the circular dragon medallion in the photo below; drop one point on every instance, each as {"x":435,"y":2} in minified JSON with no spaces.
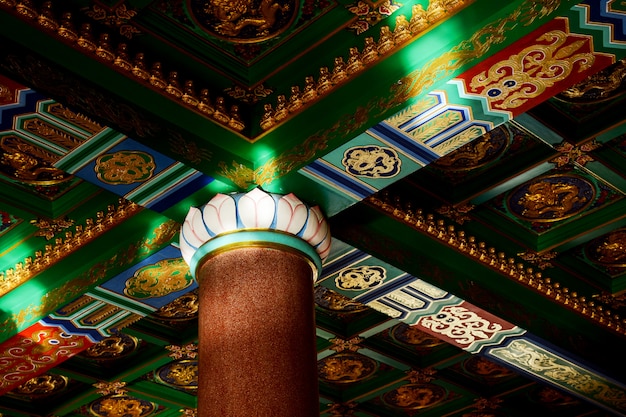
{"x":609,"y":249}
{"x":360,"y":278}
{"x":371,"y":161}
{"x":183,"y":308}
{"x":415,"y":396}
{"x":111,"y":348}
{"x":244,"y":21}
{"x":476,"y":153}
{"x":124,"y":167}
{"x":179,"y":374}
{"x":346,"y":368}
{"x":121,"y":405}
{"x":411,"y":335}
{"x":551,"y":198}
{"x":330,"y":300}
{"x":41,"y":386}
{"x":484,"y":368}
{"x":159,"y":279}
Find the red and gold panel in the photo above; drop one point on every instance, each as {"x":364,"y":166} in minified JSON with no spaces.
{"x":535,"y":68}
{"x":35,"y":351}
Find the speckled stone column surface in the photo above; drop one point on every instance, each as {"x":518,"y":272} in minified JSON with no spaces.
{"x":257,"y":354}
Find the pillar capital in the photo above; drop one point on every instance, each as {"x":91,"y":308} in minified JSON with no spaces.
{"x":255,"y":219}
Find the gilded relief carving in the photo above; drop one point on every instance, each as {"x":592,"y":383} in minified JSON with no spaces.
{"x":484,"y":368}
{"x":24,"y":162}
{"x":600,"y":86}
{"x":119,"y":17}
{"x":124,"y":167}
{"x":159,"y":279}
{"x":183,"y":308}
{"x":551,"y":198}
{"x":609,"y":249}
{"x":361,"y":278}
{"x":510,"y":83}
{"x":50,"y":227}
{"x":372,"y":161}
{"x":412,"y":335}
{"x":415,"y":396}
{"x":41,"y":386}
{"x":244,"y":21}
{"x":346,"y":368}
{"x":77,"y":119}
{"x":121,"y":405}
{"x":51,"y":133}
{"x":477,"y":153}
{"x":333,"y":301}
{"x":111,"y":348}
{"x":179,"y":374}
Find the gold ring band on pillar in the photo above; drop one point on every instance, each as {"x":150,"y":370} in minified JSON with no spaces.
{"x":273,"y":239}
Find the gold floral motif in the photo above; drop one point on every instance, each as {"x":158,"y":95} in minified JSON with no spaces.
{"x":541,"y":363}
{"x":49,"y":227}
{"x":346,"y":368}
{"x":41,"y":386}
{"x":188,"y":150}
{"x":352,"y":345}
{"x":188,"y":351}
{"x":124,"y":167}
{"x":119,"y":16}
{"x":159,"y":279}
{"x":121,"y":406}
{"x":484,"y":368}
{"x":360,"y":278}
{"x":419,"y":376}
{"x":574,"y":154}
{"x":22,"y":271}
{"x":108,"y":388}
{"x":510,"y":83}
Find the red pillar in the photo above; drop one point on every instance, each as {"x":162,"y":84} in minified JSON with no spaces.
{"x":257,"y":354}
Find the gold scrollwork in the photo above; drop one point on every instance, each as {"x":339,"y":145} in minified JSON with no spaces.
{"x":159,"y":279}
{"x":125,"y":167}
{"x":361,"y":278}
{"x":183,"y":308}
{"x":330,"y":300}
{"x":510,"y":83}
{"x":544,"y":365}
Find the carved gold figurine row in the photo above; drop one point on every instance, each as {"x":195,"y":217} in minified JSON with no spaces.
{"x":498,"y":261}
{"x":119,"y":57}
{"x":62,"y":247}
{"x":357,"y":60}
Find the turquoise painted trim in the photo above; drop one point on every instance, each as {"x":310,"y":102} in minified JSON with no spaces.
{"x":253,"y":238}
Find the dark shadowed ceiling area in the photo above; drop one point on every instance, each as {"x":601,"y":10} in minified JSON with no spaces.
{"x":470,"y":156}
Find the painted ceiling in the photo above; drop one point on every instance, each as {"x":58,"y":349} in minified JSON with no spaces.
{"x":470,"y":157}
